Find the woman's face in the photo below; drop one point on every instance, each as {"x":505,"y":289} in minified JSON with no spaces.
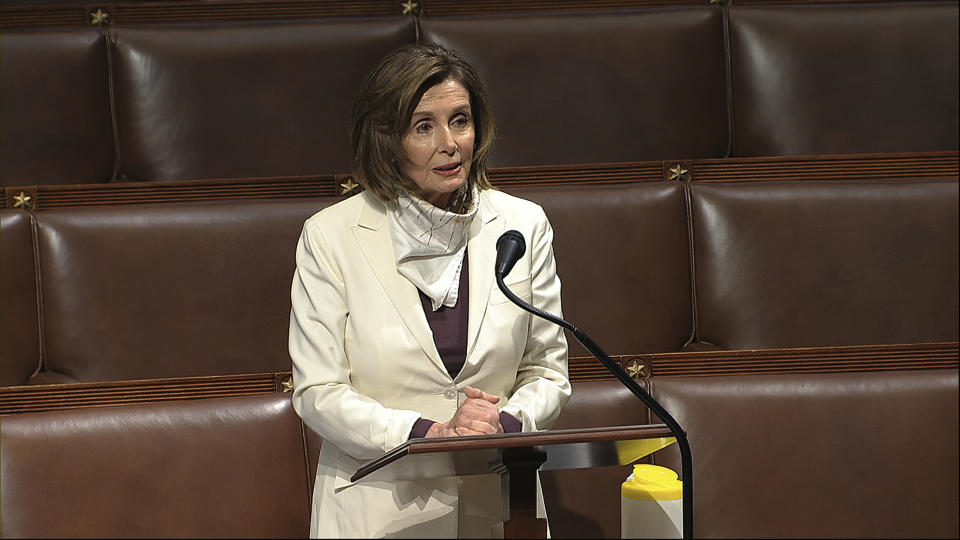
{"x":439,"y":142}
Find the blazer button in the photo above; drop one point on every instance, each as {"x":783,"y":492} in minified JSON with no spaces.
{"x":450,"y":393}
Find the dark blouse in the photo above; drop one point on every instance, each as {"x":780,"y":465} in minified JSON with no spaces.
{"x":449,"y":325}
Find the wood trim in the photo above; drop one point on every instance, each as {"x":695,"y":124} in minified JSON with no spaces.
{"x":858,"y":358}
{"x":49,"y":397}
{"x":861,"y":358}
{"x":789,"y":2}
{"x":50,"y":197}
{"x":445,"y":8}
{"x":523,"y":440}
{"x":455,"y":8}
{"x":201,"y":12}
{"x":587,"y":173}
{"x":78,"y":14}
{"x":896,"y":166}
{"x":510,"y":452}
{"x":537,"y":438}
{"x":33,"y":16}
{"x":893,"y":166}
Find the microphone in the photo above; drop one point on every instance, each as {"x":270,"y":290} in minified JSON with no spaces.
{"x":510,"y":247}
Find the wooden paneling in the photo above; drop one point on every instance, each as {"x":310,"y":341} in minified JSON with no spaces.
{"x":796,"y":360}
{"x":598,"y":173}
{"x":48,"y":397}
{"x":190,"y":11}
{"x":19,"y":399}
{"x":905,"y":166}
{"x":443,"y":8}
{"x":178,"y":12}
{"x":30,"y":16}
{"x":120,"y":193}
{"x":446,"y":8}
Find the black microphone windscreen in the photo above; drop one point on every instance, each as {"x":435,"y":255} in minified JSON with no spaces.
{"x":510,"y":247}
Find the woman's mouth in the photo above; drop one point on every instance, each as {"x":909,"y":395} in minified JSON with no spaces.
{"x":450,"y":169}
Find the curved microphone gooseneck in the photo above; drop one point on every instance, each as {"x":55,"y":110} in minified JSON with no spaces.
{"x":510,"y":247}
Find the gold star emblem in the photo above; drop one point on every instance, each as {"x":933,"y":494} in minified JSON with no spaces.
{"x":287,"y":385}
{"x":99,"y":17}
{"x":410,"y":7}
{"x":677,"y":172}
{"x":348,"y":186}
{"x":635,"y":368}
{"x":22,"y":200}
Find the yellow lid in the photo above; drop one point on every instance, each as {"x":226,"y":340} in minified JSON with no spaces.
{"x":631,"y":450}
{"x":652,"y":483}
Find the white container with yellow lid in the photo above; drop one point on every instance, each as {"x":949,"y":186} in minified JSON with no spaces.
{"x":651,"y":503}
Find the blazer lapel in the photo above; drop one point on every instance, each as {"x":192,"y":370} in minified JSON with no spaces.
{"x":373,"y":234}
{"x":483,"y":254}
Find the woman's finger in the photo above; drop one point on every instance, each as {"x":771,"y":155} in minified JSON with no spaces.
{"x":476,"y":393}
{"x":484,"y":427}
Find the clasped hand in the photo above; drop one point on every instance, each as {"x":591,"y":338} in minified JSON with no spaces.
{"x":478,"y":415}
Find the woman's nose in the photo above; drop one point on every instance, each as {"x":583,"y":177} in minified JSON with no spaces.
{"x":447,"y":143}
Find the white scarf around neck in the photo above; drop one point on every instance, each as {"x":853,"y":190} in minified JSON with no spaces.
{"x":429,"y":244}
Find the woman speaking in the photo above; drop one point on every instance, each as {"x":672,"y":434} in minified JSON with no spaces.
{"x":397,"y":328}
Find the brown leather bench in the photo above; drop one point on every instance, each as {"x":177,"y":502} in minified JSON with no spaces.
{"x":598,"y":85}
{"x":838,"y":455}
{"x":19,"y":328}
{"x":239,"y":93}
{"x":753,"y":246}
{"x":154,"y":291}
{"x":203,"y":289}
{"x":842,"y":78}
{"x":131,"y":292}
{"x":101,"y":294}
{"x":792,"y":264}
{"x":212,"y":468}
{"x":227,"y":467}
{"x":249,"y":99}
{"x":57,"y":121}
{"x":783,"y":455}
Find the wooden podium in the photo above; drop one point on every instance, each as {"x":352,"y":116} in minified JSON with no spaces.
{"x":516,"y":457}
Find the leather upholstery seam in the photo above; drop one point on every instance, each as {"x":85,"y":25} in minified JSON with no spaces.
{"x":649,"y":384}
{"x":691,"y":252}
{"x":416,"y":29}
{"x":729,"y":77}
{"x":38,"y":286}
{"x":306,"y":461}
{"x":111,"y":93}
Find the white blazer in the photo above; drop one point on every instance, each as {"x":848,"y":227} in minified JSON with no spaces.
{"x":365,"y":366}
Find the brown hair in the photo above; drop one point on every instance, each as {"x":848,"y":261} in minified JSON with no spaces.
{"x":385,"y":104}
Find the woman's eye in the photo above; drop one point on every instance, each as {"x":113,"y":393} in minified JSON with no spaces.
{"x":461,"y":122}
{"x":422,"y":127}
